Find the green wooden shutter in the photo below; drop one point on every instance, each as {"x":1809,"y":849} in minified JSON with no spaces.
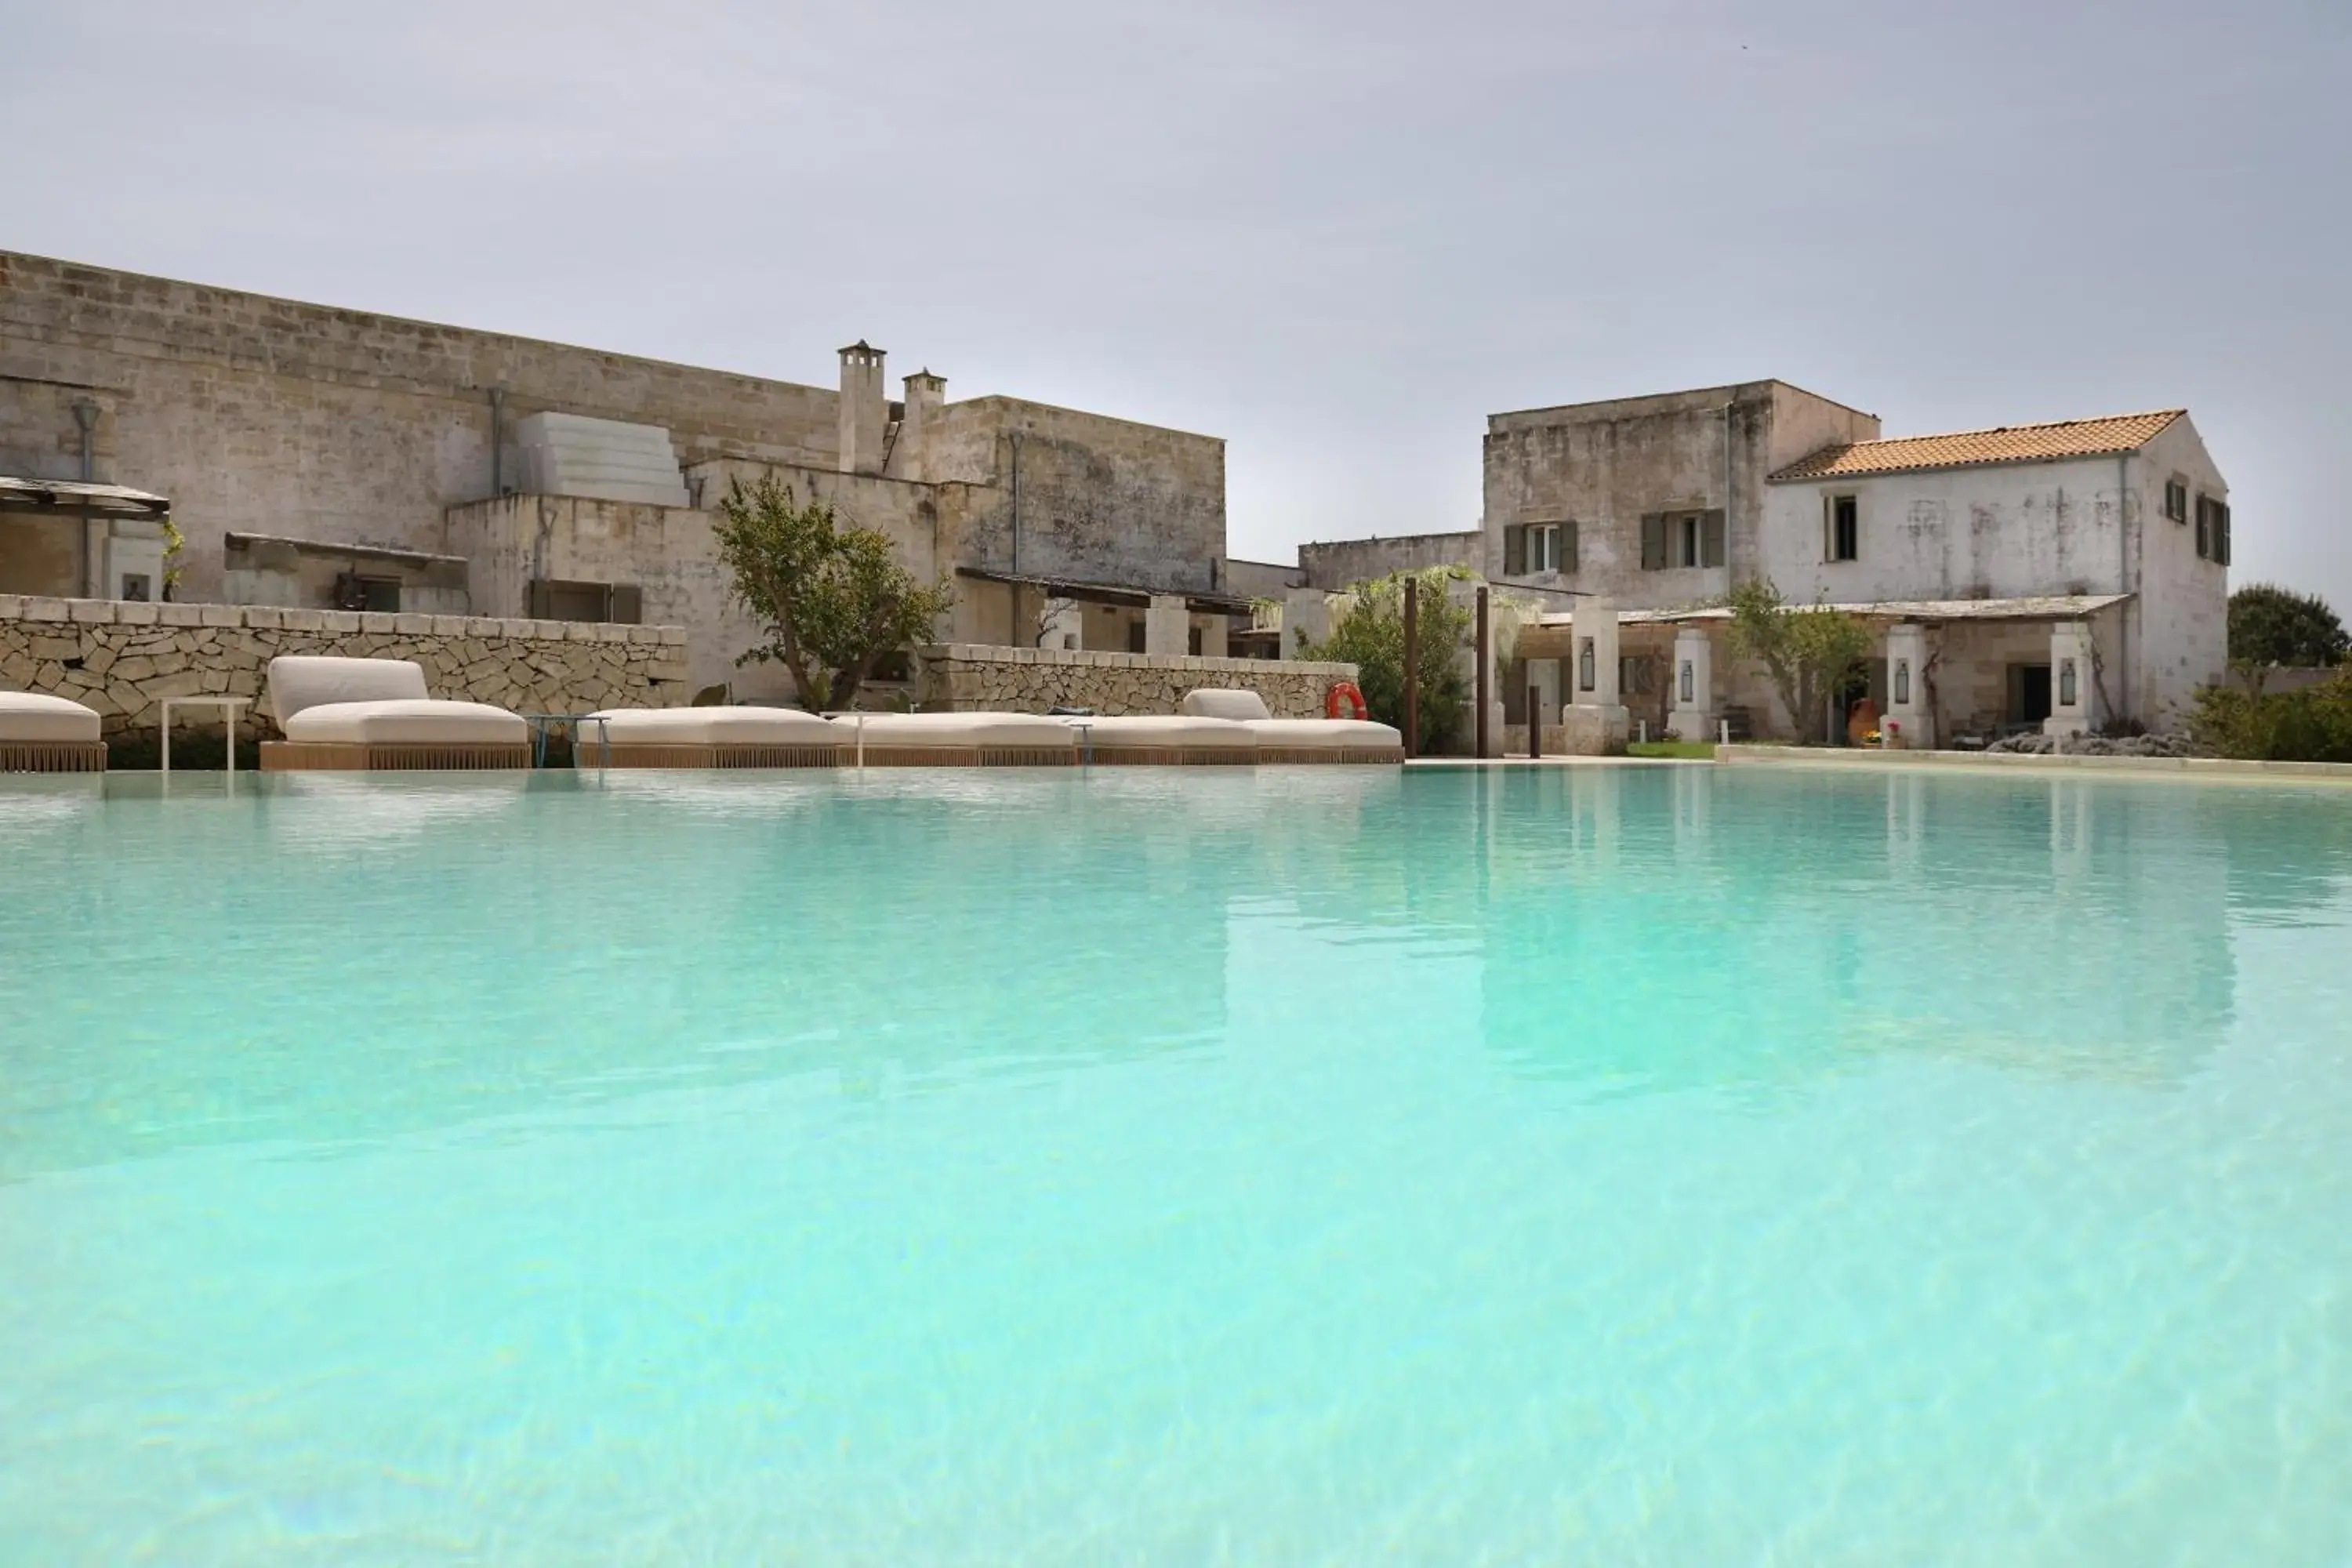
{"x":1710,"y":539}
{"x":1515,"y":552}
{"x":1654,"y":541}
{"x":2221,"y":531}
{"x":1568,"y":547}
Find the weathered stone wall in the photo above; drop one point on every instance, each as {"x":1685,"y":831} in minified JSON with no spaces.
{"x":273,"y":416}
{"x":124,"y":658}
{"x":967,"y":677}
{"x":1339,"y":564}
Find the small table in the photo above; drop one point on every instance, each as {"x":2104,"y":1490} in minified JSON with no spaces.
{"x":228,"y":707}
{"x":542,"y":723}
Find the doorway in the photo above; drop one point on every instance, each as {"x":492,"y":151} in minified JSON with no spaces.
{"x":2028,"y":693}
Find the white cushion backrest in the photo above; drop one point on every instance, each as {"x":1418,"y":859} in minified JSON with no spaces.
{"x":309,"y":680}
{"x":1220,"y":702}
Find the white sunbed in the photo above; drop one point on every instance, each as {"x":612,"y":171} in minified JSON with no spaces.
{"x":368,"y":713}
{"x":708,"y":738}
{"x":957,"y":739}
{"x":1298,"y":740}
{"x":44,"y":734}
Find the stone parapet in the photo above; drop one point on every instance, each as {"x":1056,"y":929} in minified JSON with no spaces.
{"x":967,"y":677}
{"x":123,"y":659}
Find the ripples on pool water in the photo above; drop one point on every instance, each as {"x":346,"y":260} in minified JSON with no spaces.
{"x":1618,"y":1166}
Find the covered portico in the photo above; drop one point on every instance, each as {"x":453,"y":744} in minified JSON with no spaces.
{"x":1940,"y":671}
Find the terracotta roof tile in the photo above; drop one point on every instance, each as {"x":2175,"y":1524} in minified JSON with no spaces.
{"x":1962,"y":448}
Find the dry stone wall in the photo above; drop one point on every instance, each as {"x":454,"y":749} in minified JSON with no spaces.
{"x":967,"y":677}
{"x":123,"y":659}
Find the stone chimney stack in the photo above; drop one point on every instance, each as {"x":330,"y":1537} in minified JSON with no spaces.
{"x":863,"y":412}
{"x":925,"y":393}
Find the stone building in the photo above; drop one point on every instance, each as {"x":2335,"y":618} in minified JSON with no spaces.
{"x":2065,"y":576}
{"x":320,"y":458}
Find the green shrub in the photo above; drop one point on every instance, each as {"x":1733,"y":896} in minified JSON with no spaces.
{"x":1371,"y":635}
{"x":2313,"y":725}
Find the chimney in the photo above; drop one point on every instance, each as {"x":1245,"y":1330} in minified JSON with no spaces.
{"x":925,"y":393}
{"x":862,"y":411}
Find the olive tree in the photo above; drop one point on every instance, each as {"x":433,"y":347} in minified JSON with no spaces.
{"x":831,"y":596}
{"x":1809,"y":652}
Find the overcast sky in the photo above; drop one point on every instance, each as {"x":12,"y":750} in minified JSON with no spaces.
{"x":1338,"y":235}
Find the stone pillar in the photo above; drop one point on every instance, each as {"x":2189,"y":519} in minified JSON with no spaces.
{"x":1693,"y":717}
{"x":1595,"y":724}
{"x":1165,"y":627}
{"x":863,"y":409}
{"x":1908,"y":722}
{"x":1305,"y":616}
{"x":2073,"y":701}
{"x":1213,"y":637}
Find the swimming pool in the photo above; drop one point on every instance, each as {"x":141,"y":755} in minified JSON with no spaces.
{"x":1622,"y":1165}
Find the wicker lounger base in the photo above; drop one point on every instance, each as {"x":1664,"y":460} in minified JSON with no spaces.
{"x":967,"y":756}
{"x":1175,"y":756}
{"x":358,"y":756}
{"x":588,"y":754}
{"x":52,"y":757}
{"x":1289,"y":754}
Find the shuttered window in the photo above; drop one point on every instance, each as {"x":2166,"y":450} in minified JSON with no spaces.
{"x":1710,"y":539}
{"x":1515,"y":551}
{"x":2212,"y":531}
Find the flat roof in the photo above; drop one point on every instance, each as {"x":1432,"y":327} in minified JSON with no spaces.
{"x":17,"y":491}
{"x":331,"y":547}
{"x":1112,"y":592}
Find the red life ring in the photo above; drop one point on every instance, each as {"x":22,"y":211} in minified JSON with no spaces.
{"x":1346,"y":691}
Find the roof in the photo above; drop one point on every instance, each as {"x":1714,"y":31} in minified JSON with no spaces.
{"x":2033,"y":607}
{"x":21,"y":492}
{"x":1966,"y":448}
{"x":1129,"y":593}
{"x":329,"y":547}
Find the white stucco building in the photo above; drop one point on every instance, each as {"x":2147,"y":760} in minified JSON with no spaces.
{"x":2063,"y":575}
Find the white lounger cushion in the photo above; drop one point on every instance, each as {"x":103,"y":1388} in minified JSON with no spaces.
{"x":710,"y":727}
{"x":309,"y":680}
{"x":954,"y":729}
{"x":1333,"y":733}
{"x":418,"y":721}
{"x":1178,"y":732}
{"x":1220,"y":702}
{"x":30,"y":717}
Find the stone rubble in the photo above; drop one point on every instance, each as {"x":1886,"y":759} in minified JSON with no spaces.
{"x":2038,"y":745}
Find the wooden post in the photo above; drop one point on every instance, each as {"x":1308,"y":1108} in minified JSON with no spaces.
{"x":1535,"y":720}
{"x":1411,"y":667}
{"x":1485,"y":673}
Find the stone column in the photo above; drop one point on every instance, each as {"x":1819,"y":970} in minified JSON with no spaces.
{"x":1213,"y":637}
{"x":1596,"y":723}
{"x":2073,"y":701}
{"x":1908,"y":722}
{"x":1306,"y":616}
{"x":1165,"y":627}
{"x":1693,"y":717}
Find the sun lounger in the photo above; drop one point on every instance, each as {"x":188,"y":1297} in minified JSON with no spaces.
{"x":42,"y":734}
{"x":1298,"y":740}
{"x":367,"y":713}
{"x":958,"y":740}
{"x":709,"y":738}
{"x":1178,"y":740}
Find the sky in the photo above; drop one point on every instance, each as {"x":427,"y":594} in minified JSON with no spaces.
{"x":1338,"y":235}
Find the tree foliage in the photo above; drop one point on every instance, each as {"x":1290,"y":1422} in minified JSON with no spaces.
{"x":1809,"y":653}
{"x":2313,"y":725}
{"x":2270,"y":625}
{"x":831,"y":596}
{"x":1369,"y":634}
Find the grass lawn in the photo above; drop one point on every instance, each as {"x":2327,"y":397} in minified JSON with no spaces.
{"x":1702,"y":750}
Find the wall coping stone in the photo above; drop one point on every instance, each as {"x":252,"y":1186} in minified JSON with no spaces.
{"x":134,"y":613}
{"x":985,"y":653}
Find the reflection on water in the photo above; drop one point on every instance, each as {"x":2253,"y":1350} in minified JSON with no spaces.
{"x":1257,"y":1165}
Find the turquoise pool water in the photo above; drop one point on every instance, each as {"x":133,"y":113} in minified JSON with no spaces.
{"x":1626,"y":1166}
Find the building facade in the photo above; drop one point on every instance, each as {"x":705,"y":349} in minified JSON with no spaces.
{"x":318,"y":456}
{"x":2068,"y":575}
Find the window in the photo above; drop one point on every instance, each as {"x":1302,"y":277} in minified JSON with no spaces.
{"x":552,"y":599}
{"x":2176,"y":500}
{"x":353,"y":592}
{"x":1681,"y":540}
{"x":1842,"y":528}
{"x":1533,"y":548}
{"x":2212,"y":531}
